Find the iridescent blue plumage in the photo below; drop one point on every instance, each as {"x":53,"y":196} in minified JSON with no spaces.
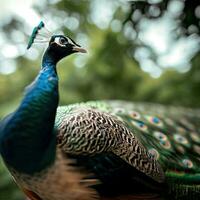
{"x":28,"y":132}
{"x":27,"y":138}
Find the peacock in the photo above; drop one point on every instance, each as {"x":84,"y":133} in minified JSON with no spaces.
{"x":98,"y":149}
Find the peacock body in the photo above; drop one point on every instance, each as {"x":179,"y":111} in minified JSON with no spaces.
{"x":100,"y":149}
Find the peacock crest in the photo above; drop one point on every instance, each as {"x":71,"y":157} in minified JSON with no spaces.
{"x":40,"y":34}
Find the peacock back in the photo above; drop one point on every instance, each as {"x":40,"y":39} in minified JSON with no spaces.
{"x":171,"y":136}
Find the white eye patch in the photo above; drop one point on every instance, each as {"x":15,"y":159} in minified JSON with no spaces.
{"x":61,"y":41}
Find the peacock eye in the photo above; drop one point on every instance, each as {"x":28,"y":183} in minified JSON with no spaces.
{"x":153,"y":153}
{"x":160,"y":136}
{"x":135,"y":115}
{"x":187,"y":163}
{"x":180,"y":139}
{"x":154,"y":121}
{"x":140,"y":125}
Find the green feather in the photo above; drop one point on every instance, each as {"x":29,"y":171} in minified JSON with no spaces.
{"x":168,"y":133}
{"x":34,"y":33}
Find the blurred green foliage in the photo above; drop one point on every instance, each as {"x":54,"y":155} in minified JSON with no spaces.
{"x":108,"y":71}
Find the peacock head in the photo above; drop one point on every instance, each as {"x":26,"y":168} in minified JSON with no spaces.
{"x":59,"y":46}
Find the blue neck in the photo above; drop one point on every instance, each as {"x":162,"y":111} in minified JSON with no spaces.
{"x":51,"y":57}
{"x":48,"y":60}
{"x":27,"y":138}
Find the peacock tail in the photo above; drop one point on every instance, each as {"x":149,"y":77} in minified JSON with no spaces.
{"x":98,"y":150}
{"x":170,"y":135}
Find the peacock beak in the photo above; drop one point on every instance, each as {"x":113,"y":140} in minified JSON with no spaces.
{"x":79,"y":49}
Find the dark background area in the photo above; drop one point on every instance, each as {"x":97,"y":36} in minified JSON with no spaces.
{"x":138,"y":50}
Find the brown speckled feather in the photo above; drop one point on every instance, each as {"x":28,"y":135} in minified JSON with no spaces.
{"x":89,"y":131}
